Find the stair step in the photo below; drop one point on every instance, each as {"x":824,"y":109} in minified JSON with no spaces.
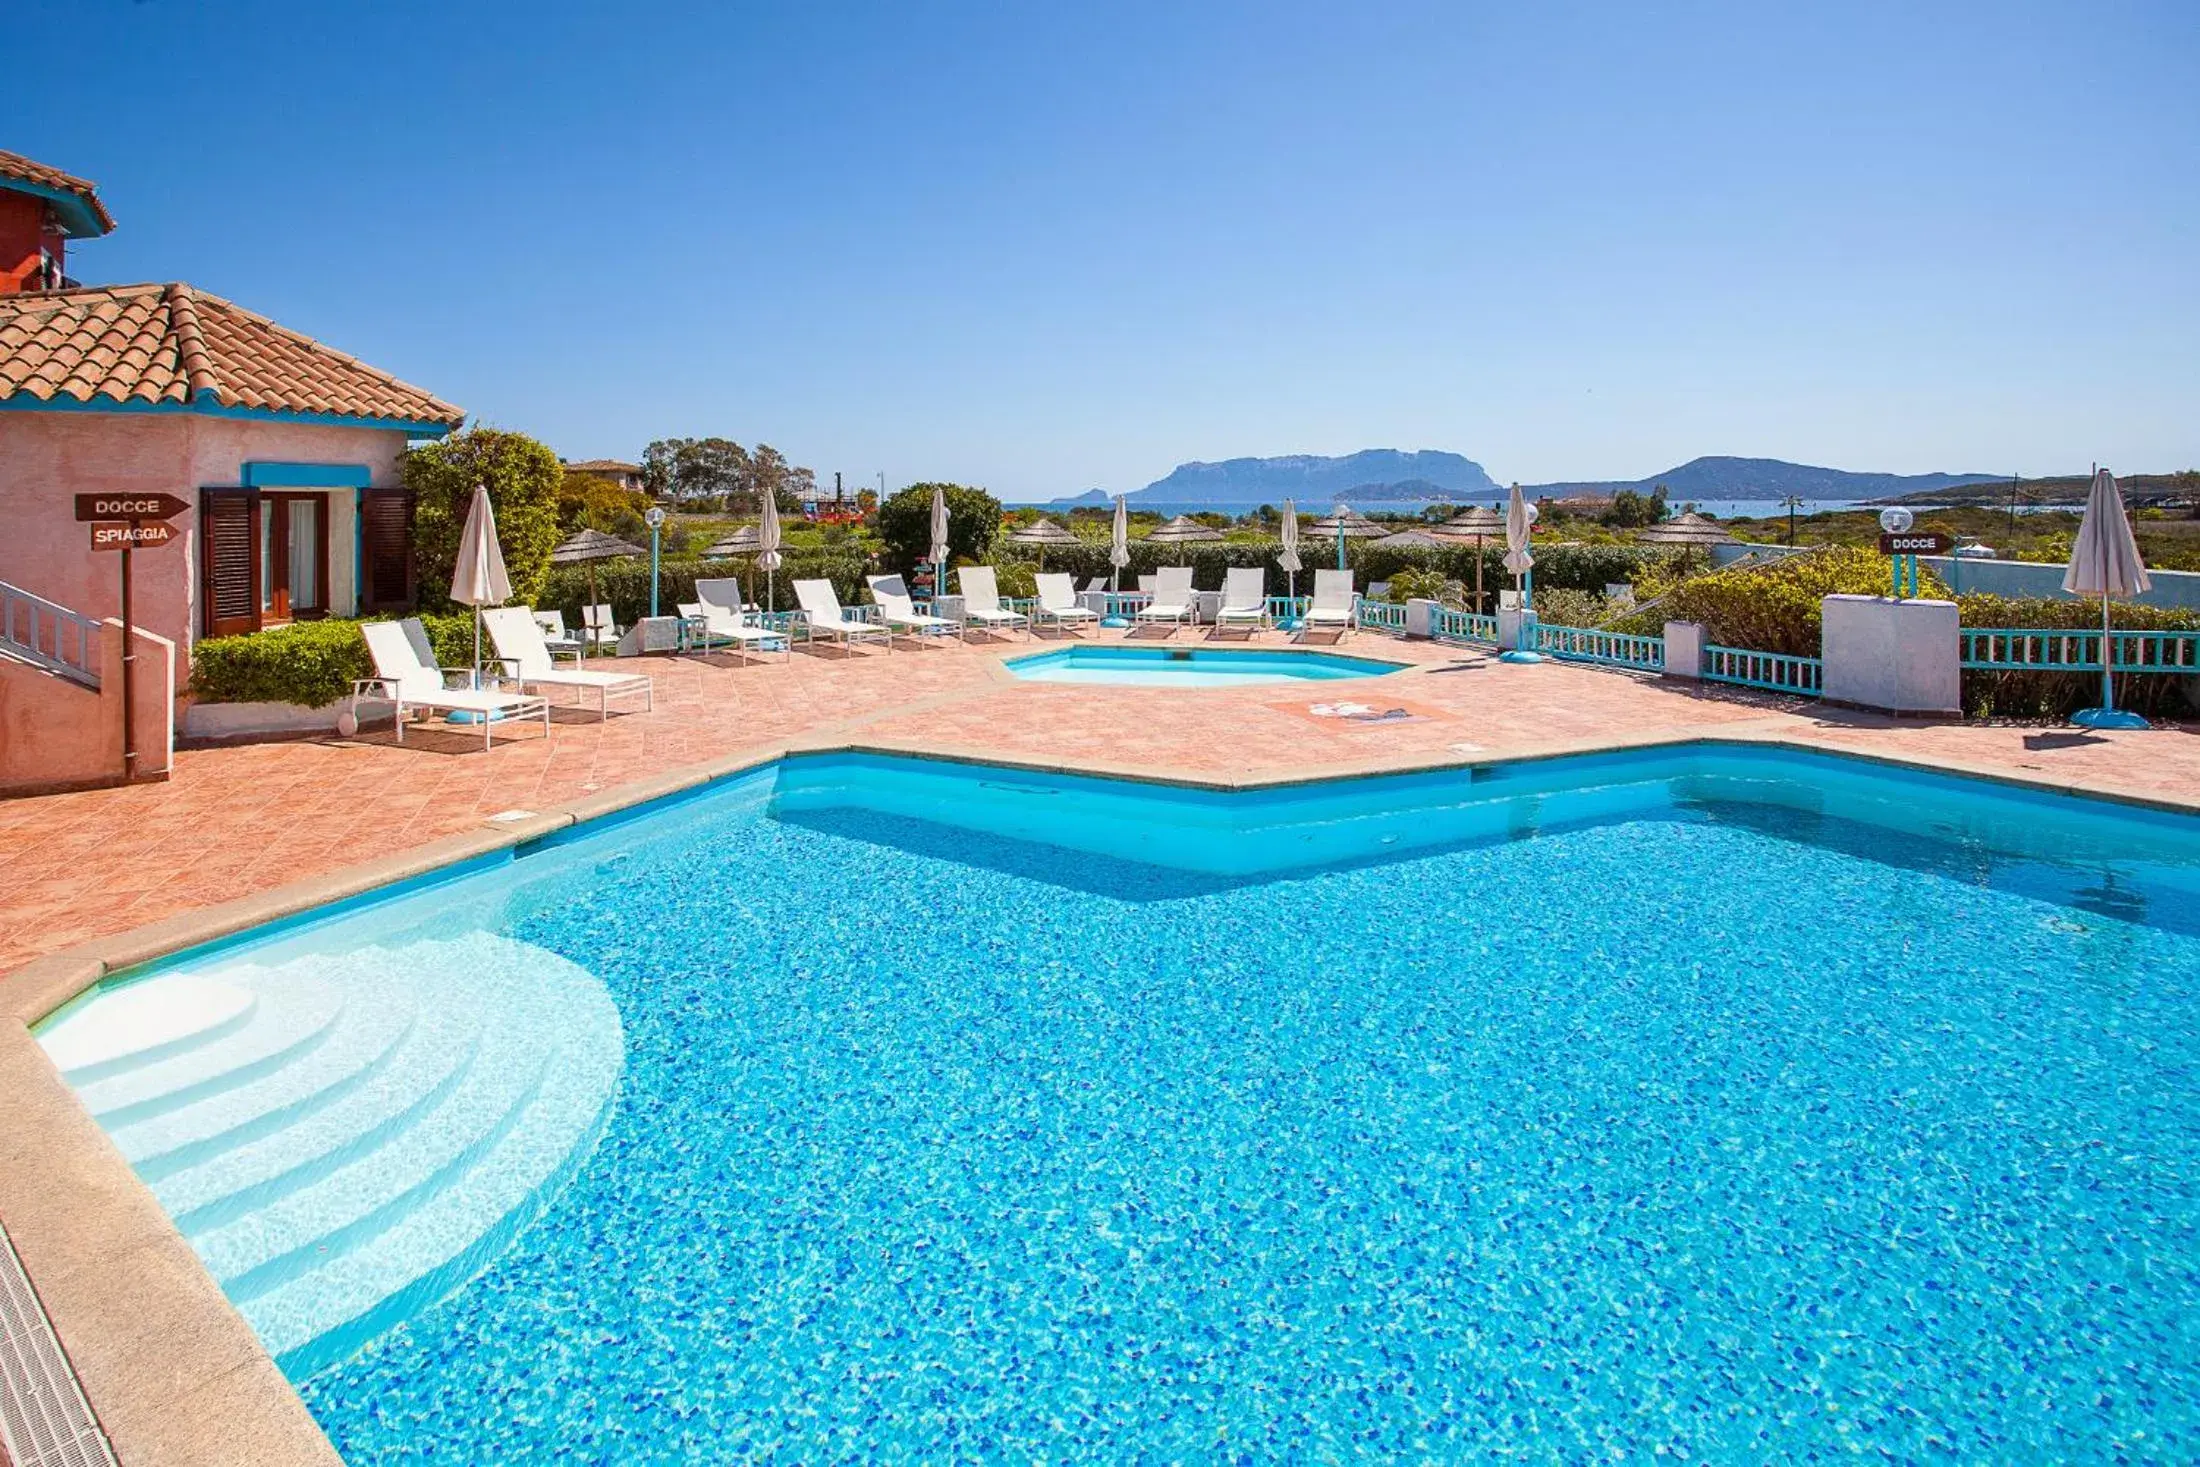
{"x":352,"y":1202}
{"x":145,"y":1021}
{"x":293,"y":1014}
{"x":370,"y":1031}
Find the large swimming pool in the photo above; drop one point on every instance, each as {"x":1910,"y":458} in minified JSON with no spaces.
{"x":1714,"y":1104}
{"x":1120,"y":665}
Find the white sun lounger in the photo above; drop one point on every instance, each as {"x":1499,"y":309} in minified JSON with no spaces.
{"x":1244,"y":598}
{"x":1172,"y":596}
{"x":597,"y":627}
{"x":526,"y":659}
{"x":900,"y":611}
{"x":718,"y":604}
{"x":821,"y":613}
{"x":1058,"y":601}
{"x":412,"y":681}
{"x":556,"y":637}
{"x":1333,"y":601}
{"x":981,"y":595}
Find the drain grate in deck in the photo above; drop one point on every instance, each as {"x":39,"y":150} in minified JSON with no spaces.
{"x":44,"y":1419}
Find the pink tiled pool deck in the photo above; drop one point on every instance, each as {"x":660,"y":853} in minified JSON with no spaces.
{"x":235,"y":821}
{"x":104,"y":879}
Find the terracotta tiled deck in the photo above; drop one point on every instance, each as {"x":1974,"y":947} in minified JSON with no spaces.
{"x":177,"y":1376}
{"x":239,"y":820}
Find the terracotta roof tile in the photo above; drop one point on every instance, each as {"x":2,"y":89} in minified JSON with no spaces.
{"x":27,"y":170}
{"x":171,"y":344}
{"x":604,"y":466}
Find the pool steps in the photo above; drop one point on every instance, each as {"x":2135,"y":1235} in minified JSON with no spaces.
{"x":355,"y":1136}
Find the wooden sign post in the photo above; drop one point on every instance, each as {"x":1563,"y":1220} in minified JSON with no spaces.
{"x":123,"y":522}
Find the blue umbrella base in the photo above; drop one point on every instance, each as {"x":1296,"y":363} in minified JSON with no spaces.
{"x":2108,"y":718}
{"x":1519,"y":655}
{"x":1115,"y":621}
{"x":467,"y":715}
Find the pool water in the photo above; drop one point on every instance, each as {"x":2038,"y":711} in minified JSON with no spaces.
{"x":1191,"y":667}
{"x":1723,"y":1106}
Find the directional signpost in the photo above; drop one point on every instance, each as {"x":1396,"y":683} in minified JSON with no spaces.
{"x":126,"y":522}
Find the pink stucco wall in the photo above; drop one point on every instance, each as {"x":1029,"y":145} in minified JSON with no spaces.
{"x":47,"y":458}
{"x":55,"y":734}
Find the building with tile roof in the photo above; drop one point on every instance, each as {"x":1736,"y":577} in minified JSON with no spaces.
{"x":618,"y":471}
{"x":286,"y":451}
{"x":41,"y":210}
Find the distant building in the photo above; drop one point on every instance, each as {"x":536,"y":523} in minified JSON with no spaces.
{"x":625,"y":475}
{"x":41,"y":210}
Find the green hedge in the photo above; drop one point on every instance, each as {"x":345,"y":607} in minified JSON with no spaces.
{"x":1775,"y":607}
{"x":311,"y":663}
{"x":1578,"y":567}
{"x":2058,"y":694}
{"x":625,"y":583}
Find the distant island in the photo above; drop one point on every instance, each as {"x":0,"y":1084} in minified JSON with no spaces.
{"x":1432,"y":476}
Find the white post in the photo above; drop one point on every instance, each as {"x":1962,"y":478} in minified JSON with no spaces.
{"x":1684,"y":644}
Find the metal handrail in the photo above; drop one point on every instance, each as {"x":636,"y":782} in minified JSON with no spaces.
{"x":49,"y":635}
{"x":1741,"y":562}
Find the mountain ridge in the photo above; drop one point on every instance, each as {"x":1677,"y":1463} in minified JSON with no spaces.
{"x":1375,"y":475}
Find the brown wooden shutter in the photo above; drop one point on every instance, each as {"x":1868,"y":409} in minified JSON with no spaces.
{"x":386,"y":558}
{"x":229,"y":560}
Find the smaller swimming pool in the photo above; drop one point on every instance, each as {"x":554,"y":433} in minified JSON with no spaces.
{"x":1192,"y":667}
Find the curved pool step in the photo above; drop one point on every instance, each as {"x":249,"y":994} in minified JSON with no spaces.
{"x":145,"y":1022}
{"x":366,"y":1036}
{"x":435,"y":1056}
{"x":293,"y":1013}
{"x":345,"y":1139}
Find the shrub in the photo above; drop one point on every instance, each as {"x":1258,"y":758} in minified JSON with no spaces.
{"x":905,"y":524}
{"x":1413,"y":583}
{"x":310,"y":663}
{"x":2057,"y":694}
{"x":1776,"y":607}
{"x":523,"y":478}
{"x":625,"y":583}
{"x":1565,"y":606}
{"x":1016,"y":577}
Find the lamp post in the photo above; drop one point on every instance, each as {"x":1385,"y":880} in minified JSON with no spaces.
{"x":656,"y":519}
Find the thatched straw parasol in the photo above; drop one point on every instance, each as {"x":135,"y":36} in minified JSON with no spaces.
{"x":1689,"y":529}
{"x":1413,"y":539}
{"x":586,"y":548}
{"x":1184,"y":530}
{"x":1480,"y":524}
{"x":1042,"y":533}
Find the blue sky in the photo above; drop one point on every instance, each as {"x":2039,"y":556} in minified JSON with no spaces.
{"x":1044,"y":247}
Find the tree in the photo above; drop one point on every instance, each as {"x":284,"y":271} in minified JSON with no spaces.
{"x":523,"y":478}
{"x":1633,"y":511}
{"x":586,"y":502}
{"x":660,"y":467}
{"x":905,"y":524}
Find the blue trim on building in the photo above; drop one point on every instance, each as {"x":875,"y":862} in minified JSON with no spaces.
{"x":77,"y":219}
{"x":410,"y":428}
{"x":264,"y":475}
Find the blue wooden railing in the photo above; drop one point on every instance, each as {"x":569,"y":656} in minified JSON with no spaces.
{"x":1613,"y":649}
{"x":2054,"y":649}
{"x":1382,"y":616}
{"x":1777,"y":671}
{"x":1447,"y":625}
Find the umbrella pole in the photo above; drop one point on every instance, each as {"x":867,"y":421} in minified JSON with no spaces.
{"x":477,"y":645}
{"x":1478,"y":575}
{"x":588,"y":635}
{"x":2108,"y":660}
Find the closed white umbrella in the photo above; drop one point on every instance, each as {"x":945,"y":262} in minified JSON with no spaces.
{"x":767,"y":547}
{"x":2105,"y":563}
{"x":478,"y":579}
{"x":1519,"y":520}
{"x":939,"y":540}
{"x":1288,"y":556}
{"x":1119,"y":544}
